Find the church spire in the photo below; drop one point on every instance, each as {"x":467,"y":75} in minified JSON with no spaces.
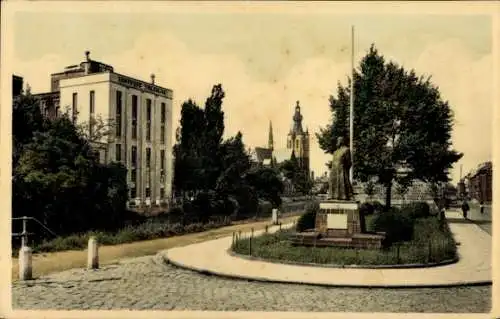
{"x":297,"y":120}
{"x":270,"y":143}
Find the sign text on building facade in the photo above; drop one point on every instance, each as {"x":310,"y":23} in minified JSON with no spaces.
{"x":140,"y":85}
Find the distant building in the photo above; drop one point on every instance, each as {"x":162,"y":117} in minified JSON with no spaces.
{"x":478,"y":183}
{"x":141,"y":113}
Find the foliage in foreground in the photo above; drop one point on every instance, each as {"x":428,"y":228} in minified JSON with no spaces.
{"x":57,"y":177}
{"x":308,"y":219}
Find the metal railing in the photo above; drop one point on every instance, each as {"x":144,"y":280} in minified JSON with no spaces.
{"x":24,"y":234}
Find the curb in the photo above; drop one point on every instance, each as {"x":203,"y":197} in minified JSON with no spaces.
{"x":327,"y":285}
{"x":336,"y":266}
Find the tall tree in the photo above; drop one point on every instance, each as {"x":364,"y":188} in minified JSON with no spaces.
{"x":400,"y":121}
{"x":188,"y":151}
{"x":235,"y":163}
{"x":212,"y":139}
{"x":26,"y":119}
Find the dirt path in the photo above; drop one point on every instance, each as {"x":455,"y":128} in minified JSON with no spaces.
{"x":45,"y":263}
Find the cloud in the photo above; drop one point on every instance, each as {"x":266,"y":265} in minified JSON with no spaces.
{"x":464,"y":80}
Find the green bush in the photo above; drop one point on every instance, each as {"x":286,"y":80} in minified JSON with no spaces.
{"x":417,"y":210}
{"x":151,"y":229}
{"x":308,"y":219}
{"x":366,"y":209}
{"x":397,"y":226}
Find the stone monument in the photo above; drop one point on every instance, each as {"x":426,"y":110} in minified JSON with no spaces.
{"x":338,"y":221}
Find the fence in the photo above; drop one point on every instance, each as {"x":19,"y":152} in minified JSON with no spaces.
{"x":24,"y":234}
{"x":278,"y":246}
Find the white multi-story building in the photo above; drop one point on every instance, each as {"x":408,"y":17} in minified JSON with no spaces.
{"x":140,"y":113}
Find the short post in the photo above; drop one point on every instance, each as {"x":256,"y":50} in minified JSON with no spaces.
{"x":25,"y":263}
{"x":233,"y":241}
{"x":24,"y":235}
{"x":266,"y":229}
{"x":430,"y":252}
{"x":93,"y":254}
{"x":250,"y":244}
{"x":275,"y":216}
{"x":280,"y":226}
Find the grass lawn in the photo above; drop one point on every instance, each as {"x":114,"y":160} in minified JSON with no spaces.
{"x":429,"y":244}
{"x":45,"y":263}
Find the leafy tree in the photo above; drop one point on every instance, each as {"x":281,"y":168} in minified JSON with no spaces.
{"x":188,"y":151}
{"x":57,"y":177}
{"x":400,"y":121}
{"x":327,"y":136}
{"x":212,"y":139}
{"x":267,"y":184}
{"x":26,"y":119}
{"x":235,"y":163}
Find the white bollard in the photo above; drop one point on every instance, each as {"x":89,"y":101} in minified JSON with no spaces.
{"x":275,"y":216}
{"x":92,"y":254}
{"x":25,"y":263}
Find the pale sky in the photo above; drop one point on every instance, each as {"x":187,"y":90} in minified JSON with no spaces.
{"x":267,"y":61}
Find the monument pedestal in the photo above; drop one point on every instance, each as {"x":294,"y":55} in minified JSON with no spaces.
{"x":339,"y":224}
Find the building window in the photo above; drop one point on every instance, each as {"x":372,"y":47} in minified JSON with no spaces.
{"x":118,"y":154}
{"x":148,"y":120}
{"x":133,"y":175}
{"x":162,"y":166}
{"x":148,"y":157}
{"x":133,"y":192}
{"x":148,"y":192}
{"x":75,"y":106}
{"x":134,"y":116}
{"x":134,"y":156}
{"x":162,"y":193}
{"x":92,"y":102}
{"x":118,"y":113}
{"x":162,"y":133}
{"x":163,"y":113}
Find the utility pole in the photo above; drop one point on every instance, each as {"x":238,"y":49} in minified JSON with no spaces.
{"x":351,"y":110}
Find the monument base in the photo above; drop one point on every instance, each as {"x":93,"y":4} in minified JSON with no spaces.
{"x":339,"y":224}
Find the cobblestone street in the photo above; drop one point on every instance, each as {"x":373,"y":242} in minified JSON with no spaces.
{"x":148,"y":283}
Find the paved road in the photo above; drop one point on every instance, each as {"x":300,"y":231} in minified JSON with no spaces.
{"x":148,"y":283}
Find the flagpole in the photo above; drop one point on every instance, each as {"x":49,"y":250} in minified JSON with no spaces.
{"x":351,"y":109}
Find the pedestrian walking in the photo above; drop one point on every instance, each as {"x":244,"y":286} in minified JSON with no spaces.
{"x":481,"y":207}
{"x":465,"y":208}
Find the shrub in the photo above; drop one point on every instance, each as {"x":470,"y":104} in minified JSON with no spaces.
{"x":308,"y":219}
{"x":366,"y":209}
{"x":378,"y":207}
{"x":417,"y":210}
{"x":397,"y":226}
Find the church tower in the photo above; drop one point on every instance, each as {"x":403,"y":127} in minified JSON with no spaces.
{"x":298,"y":140}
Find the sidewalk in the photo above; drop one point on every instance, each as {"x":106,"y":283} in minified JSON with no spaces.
{"x":474,"y":266}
